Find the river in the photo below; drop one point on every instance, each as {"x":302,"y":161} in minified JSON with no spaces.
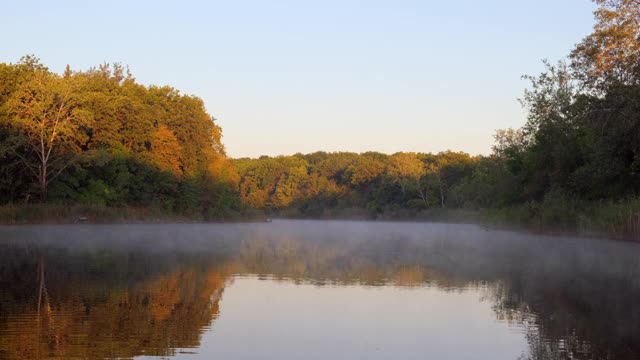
{"x":314,"y":290}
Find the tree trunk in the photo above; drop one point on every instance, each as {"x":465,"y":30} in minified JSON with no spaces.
{"x":43,"y":184}
{"x":441,"y":193}
{"x":423,"y":196}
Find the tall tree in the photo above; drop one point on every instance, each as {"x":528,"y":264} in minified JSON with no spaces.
{"x":166,"y":151}
{"x":406,"y":169}
{"x":612,"y":51}
{"x":44,"y":118}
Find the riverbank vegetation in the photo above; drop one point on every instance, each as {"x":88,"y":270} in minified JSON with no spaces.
{"x":99,"y":137}
{"x":573,"y":166}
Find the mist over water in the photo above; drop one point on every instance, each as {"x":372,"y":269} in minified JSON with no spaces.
{"x":314,"y":289}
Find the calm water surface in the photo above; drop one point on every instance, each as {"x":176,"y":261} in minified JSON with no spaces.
{"x":314,"y":290}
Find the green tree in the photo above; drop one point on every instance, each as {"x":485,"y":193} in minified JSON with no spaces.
{"x":364,"y":170}
{"x":406,"y":170}
{"x":44,"y":115}
{"x":612,"y":51}
{"x":166,"y":151}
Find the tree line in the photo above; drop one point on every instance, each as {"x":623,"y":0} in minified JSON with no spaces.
{"x":317,"y":184}
{"x":98,"y":136}
{"x":575,"y":161}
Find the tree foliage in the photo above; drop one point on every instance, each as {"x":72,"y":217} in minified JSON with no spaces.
{"x":44,"y":118}
{"x":315,"y":184}
{"x":612,"y":51}
{"x":581,"y":142}
{"x":98,"y":136}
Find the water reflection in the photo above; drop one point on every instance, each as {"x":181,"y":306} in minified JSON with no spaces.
{"x":124,"y":291}
{"x":63,"y":305}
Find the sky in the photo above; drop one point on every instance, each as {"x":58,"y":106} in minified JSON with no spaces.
{"x":283,"y":77}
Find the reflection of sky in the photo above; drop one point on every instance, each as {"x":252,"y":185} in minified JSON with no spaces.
{"x":289,"y":76}
{"x":267,"y":319}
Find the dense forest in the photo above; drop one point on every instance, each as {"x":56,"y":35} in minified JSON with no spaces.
{"x":575,"y":164}
{"x":99,"y":137}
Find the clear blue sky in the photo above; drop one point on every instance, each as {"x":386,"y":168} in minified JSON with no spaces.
{"x":300,"y":76}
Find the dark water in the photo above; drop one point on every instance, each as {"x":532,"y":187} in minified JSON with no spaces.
{"x":314,"y":290}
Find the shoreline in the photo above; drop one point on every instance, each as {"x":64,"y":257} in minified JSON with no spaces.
{"x":59,"y":214}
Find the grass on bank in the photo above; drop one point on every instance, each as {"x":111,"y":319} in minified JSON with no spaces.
{"x":98,"y":214}
{"x":557,"y":213}
{"x":618,"y":219}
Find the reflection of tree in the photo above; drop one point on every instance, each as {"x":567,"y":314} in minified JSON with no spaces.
{"x":342,"y":262}
{"x":579,"y":303}
{"x":574,"y":300}
{"x":152,"y":317}
{"x":570,"y":318}
{"x":44,"y":309}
